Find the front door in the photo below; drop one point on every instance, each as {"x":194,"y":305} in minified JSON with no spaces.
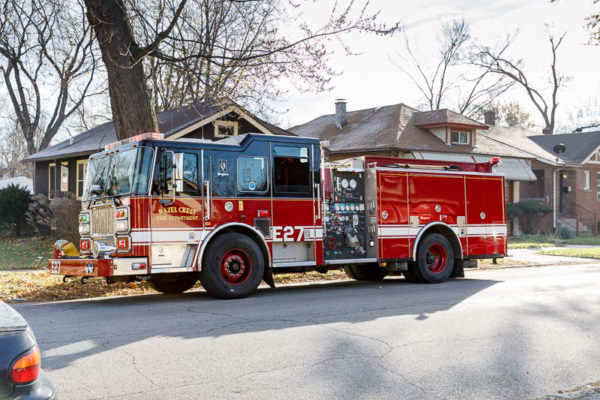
{"x":177,"y":223}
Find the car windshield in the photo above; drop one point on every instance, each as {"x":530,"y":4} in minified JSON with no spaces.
{"x":119,"y":173}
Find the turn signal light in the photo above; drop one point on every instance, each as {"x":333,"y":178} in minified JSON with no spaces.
{"x":27,"y":368}
{"x":84,"y":245}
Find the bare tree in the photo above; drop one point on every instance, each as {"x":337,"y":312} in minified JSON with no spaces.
{"x":545,"y":101}
{"x":183,"y":34}
{"x":47,"y":63}
{"x":450,"y":81}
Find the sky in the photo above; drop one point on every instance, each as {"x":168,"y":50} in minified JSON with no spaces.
{"x":371,"y":79}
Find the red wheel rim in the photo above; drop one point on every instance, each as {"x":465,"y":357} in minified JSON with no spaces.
{"x":436,"y":258}
{"x":236,"y":266}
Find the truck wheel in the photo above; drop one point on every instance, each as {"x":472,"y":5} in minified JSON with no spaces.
{"x":435,"y":259}
{"x":232,"y":266}
{"x":365,"y":272}
{"x":410,"y":274}
{"x":173,"y":283}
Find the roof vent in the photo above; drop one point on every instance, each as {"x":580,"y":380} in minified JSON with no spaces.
{"x":340,"y":113}
{"x":70,"y":141}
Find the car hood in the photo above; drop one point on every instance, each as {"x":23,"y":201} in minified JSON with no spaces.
{"x":10,"y":319}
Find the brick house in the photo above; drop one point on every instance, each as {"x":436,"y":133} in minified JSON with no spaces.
{"x":61,"y":168}
{"x":568,"y":182}
{"x":402,"y":131}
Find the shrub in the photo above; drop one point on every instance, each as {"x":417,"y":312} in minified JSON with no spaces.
{"x":564,"y":232}
{"x":39,"y":216}
{"x":513,"y":211}
{"x":14,"y":202}
{"x":65,"y":217}
{"x":532,"y":212}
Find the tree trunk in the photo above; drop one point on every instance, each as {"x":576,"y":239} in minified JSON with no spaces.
{"x":131,"y":106}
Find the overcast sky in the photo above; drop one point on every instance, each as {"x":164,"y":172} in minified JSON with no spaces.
{"x":371,"y":80}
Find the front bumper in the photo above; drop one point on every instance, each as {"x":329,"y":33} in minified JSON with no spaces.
{"x":97,"y":266}
{"x":81,"y":266}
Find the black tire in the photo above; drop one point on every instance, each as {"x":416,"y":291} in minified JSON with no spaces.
{"x":232,"y":266}
{"x":365,"y":272}
{"x":435,"y":259}
{"x":173,"y":283}
{"x":410,"y":274}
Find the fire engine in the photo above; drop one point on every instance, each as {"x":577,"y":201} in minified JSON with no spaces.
{"x":232,"y":213}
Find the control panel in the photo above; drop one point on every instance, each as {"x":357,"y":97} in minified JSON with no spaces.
{"x":345,"y":220}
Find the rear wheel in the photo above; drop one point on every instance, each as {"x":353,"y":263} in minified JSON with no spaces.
{"x":232,"y":266}
{"x":173,"y":283}
{"x":435,"y":259}
{"x":365,"y":272}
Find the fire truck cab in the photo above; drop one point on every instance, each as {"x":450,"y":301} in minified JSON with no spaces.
{"x":233,"y":212}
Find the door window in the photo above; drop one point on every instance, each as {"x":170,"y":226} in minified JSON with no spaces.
{"x":291,"y":170}
{"x":252,"y":174}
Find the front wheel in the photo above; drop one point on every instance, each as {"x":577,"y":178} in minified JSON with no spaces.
{"x":232,"y":266}
{"x":173,"y":283}
{"x":435,"y":259}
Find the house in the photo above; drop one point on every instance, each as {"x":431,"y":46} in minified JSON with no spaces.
{"x":61,"y":168}
{"x":567,"y":169}
{"x":402,"y":131}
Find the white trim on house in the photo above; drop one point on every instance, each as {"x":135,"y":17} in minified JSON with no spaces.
{"x":216,"y":116}
{"x":83,"y":162}
{"x":594,"y":157}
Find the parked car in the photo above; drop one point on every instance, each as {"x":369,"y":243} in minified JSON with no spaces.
{"x":21,"y":375}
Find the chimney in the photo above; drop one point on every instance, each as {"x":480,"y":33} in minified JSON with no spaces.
{"x":490,"y":117}
{"x":546,"y":131}
{"x":340,"y":113}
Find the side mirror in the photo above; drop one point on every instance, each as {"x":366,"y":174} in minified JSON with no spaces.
{"x":178,"y":171}
{"x":96,"y":190}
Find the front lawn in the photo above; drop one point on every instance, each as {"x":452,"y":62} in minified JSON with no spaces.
{"x":540,"y":241}
{"x":583,"y":252}
{"x":24,"y":253}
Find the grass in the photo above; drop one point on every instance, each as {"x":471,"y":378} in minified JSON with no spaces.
{"x":582,"y":252}
{"x":541,"y":241}
{"x":24,"y":253}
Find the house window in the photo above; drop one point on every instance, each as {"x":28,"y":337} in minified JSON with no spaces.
{"x":51,"y":180}
{"x":586,"y":180}
{"x":64,"y":176}
{"x":598,"y":186}
{"x":81,"y":172}
{"x":459,"y":137}
{"x":226,"y":128}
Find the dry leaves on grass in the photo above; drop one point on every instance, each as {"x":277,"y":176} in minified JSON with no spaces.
{"x":41,"y":286}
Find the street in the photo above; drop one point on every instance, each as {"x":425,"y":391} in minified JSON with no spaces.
{"x":518,"y":333}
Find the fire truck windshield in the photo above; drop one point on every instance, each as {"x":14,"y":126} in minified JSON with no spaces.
{"x":119,"y":173}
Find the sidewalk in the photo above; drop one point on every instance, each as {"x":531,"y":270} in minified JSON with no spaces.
{"x":531,"y":256}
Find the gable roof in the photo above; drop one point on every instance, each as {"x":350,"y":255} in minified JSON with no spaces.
{"x":520,"y":138}
{"x":170,"y":122}
{"x":579,"y":146}
{"x":443,"y":117}
{"x":393,"y":128}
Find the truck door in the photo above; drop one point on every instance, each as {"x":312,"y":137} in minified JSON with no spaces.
{"x":394,"y":229}
{"x":176,"y":219}
{"x":295,"y":210}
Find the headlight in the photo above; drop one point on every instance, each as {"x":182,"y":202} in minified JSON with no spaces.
{"x":84,"y":229}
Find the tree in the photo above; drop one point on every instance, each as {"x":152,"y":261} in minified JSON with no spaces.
{"x":47,"y":63}
{"x":450,"y":81}
{"x":509,"y":114}
{"x":546,"y":103}
{"x":180,"y":33}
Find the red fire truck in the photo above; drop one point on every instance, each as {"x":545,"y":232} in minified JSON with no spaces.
{"x":234,"y":212}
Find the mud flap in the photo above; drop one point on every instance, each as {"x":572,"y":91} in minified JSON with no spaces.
{"x":459,"y":269}
{"x":268,"y":277}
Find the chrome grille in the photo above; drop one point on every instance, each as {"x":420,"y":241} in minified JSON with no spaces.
{"x":102,"y":220}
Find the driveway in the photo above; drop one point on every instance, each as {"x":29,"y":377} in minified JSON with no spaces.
{"x":518,"y":333}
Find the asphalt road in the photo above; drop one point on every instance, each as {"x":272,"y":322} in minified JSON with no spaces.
{"x":499,"y":334}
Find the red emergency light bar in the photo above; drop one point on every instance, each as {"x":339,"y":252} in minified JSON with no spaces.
{"x":136,"y":138}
